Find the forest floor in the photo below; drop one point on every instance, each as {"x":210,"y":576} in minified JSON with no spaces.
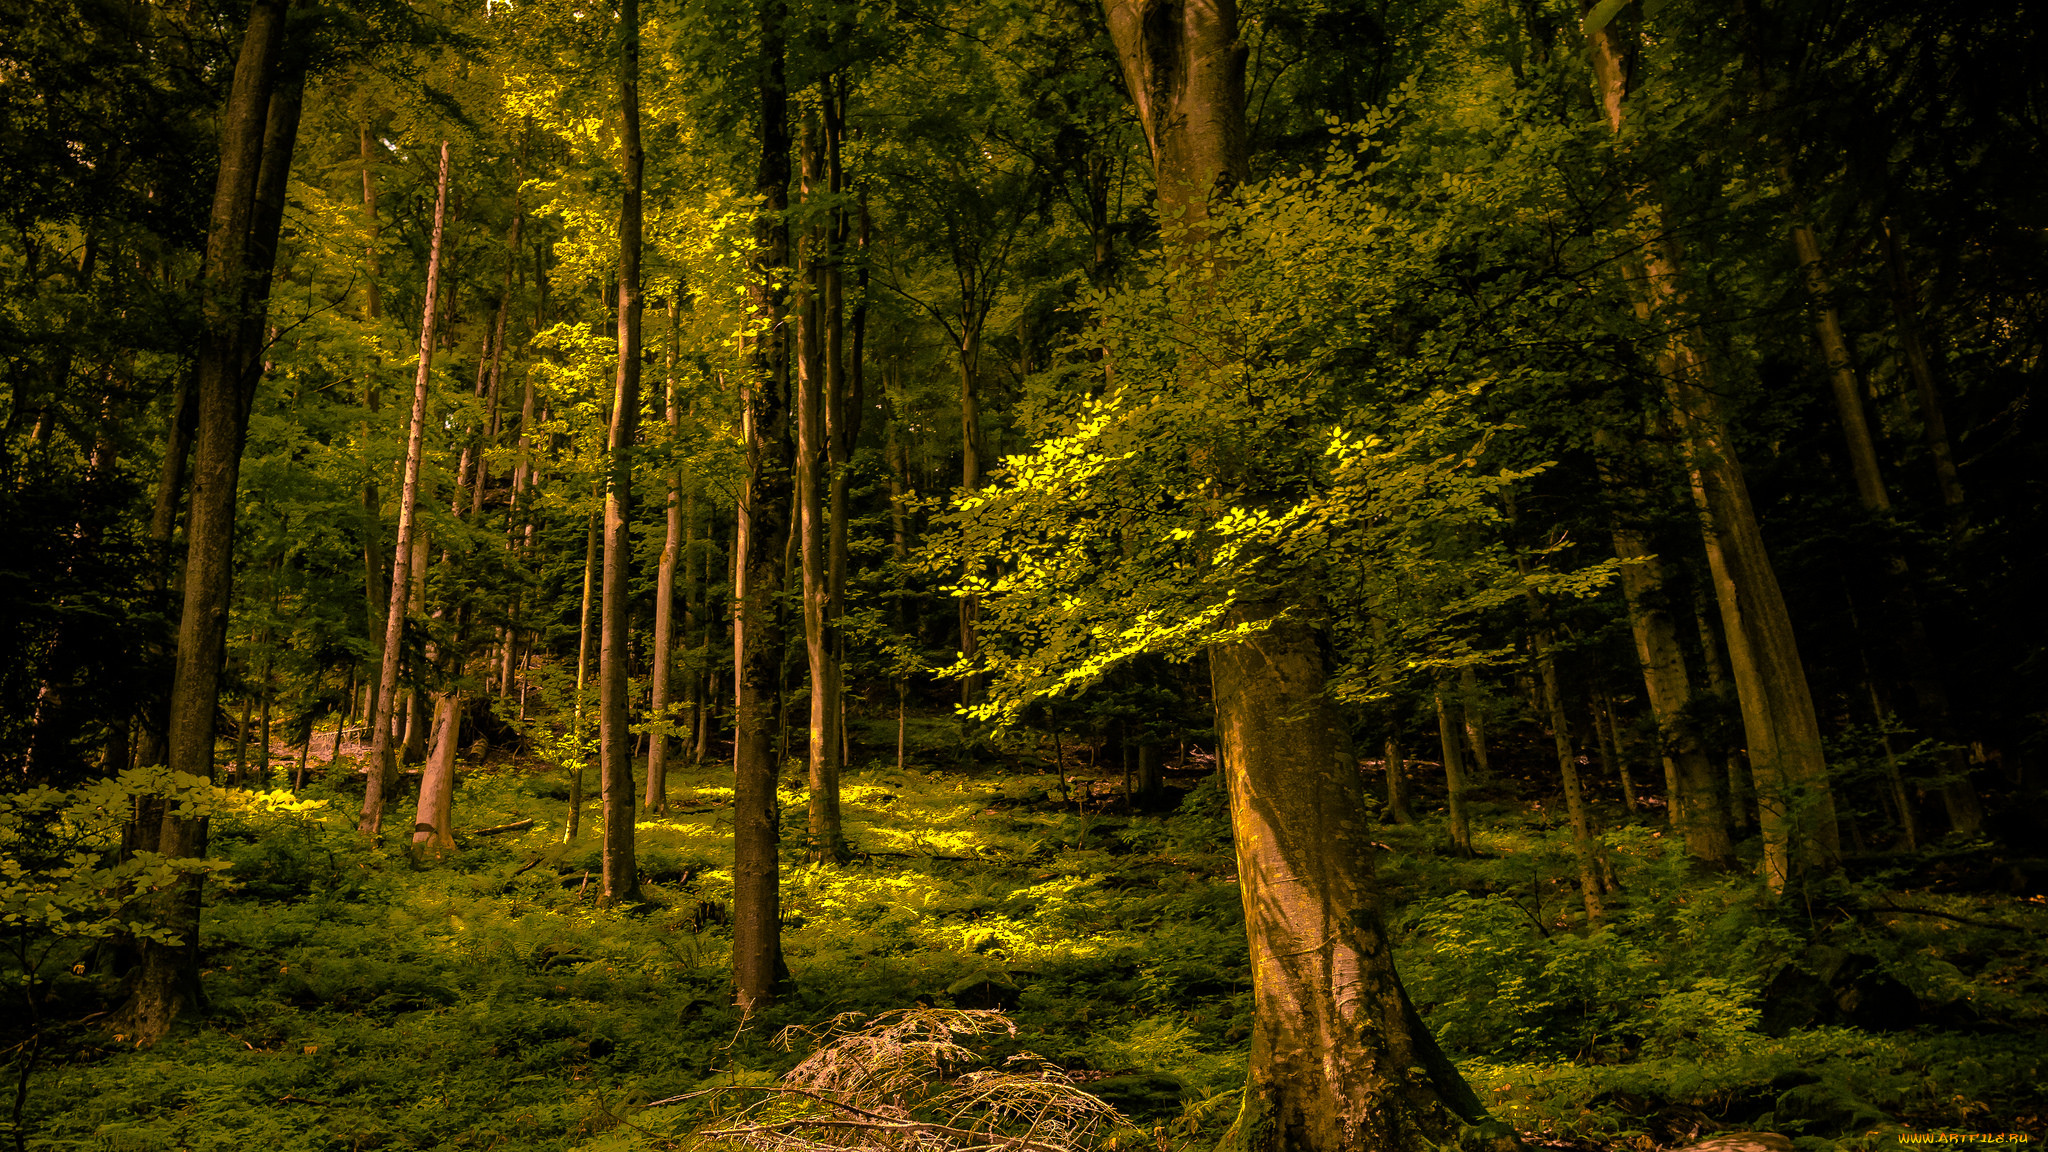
{"x":361,"y":999}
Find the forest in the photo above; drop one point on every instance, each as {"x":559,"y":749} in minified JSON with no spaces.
{"x":1056,"y":576}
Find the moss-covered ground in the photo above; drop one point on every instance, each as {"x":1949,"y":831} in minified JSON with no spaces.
{"x":360,"y":999}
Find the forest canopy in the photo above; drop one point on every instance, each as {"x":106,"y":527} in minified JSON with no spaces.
{"x":1287,"y":575}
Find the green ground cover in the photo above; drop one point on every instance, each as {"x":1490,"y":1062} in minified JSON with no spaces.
{"x":360,"y":999}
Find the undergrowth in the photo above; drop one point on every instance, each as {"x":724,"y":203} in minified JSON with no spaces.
{"x":358,"y":999}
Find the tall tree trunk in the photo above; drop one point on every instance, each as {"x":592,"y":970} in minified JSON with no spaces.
{"x":582,"y":679}
{"x":621,"y":875}
{"x":382,"y":769}
{"x":250,"y":135}
{"x":813,"y":462}
{"x":1694,"y":806}
{"x":1339,"y":1058}
{"x":971,"y":449}
{"x":764,"y":519}
{"x":675,"y":526}
{"x":1915,"y":649}
{"x":1783,"y":732}
{"x":163,"y":525}
{"x":433,"y":822}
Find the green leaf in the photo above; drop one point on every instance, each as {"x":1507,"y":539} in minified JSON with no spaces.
{"x":1603,"y":12}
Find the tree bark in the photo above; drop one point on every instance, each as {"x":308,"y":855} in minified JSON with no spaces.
{"x":663,"y":672}
{"x":1795,"y":801}
{"x":382,"y":769}
{"x":813,"y":455}
{"x":167,"y":976}
{"x":1475,"y":721}
{"x":1339,"y":1060}
{"x":1694,"y":807}
{"x":764,"y":517}
{"x":1454,"y":774}
{"x":434,"y":820}
{"x":621,"y":876}
{"x":1610,"y":736}
{"x":590,"y":542}
{"x":1397,"y":782}
{"x":1584,"y":850}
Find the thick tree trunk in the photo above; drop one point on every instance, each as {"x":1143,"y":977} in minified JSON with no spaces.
{"x":621,"y":875}
{"x":168,"y":975}
{"x":433,"y":822}
{"x":382,"y":769}
{"x":764,"y":521}
{"x":1794,"y":798}
{"x":1340,"y":1060}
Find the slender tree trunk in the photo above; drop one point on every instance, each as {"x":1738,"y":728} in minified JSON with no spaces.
{"x":1689,"y":772}
{"x":249,"y":135}
{"x":163,"y":525}
{"x":1397,"y":783}
{"x":1584,"y":848}
{"x":764,"y":517}
{"x":1795,"y":800}
{"x":240,"y":775}
{"x":1454,"y":774}
{"x":263,"y":727}
{"x":1340,"y":1060}
{"x":1475,"y":722}
{"x":1610,"y":728}
{"x":621,"y":875}
{"x":813,"y":456}
{"x":582,"y":678}
{"x":971,"y":449}
{"x":418,"y":720}
{"x":1933,"y":424}
{"x":382,"y":769}
{"x":663,"y":673}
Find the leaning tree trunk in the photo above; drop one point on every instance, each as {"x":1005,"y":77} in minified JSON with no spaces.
{"x":252,"y":139}
{"x":764,"y":521}
{"x":621,"y":877}
{"x":1340,"y":1060}
{"x":1796,"y":805}
{"x":382,"y":770}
